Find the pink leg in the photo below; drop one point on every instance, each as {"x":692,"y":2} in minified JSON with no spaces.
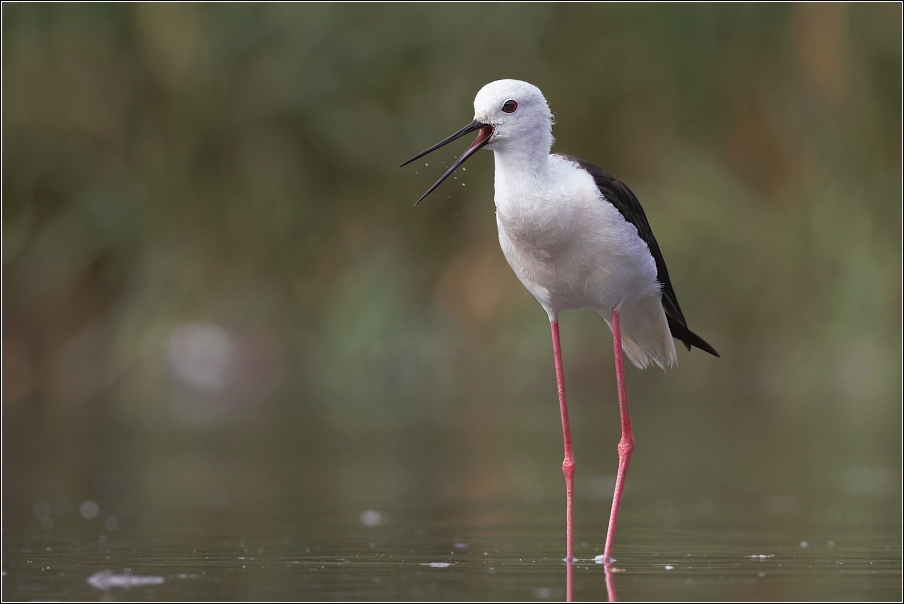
{"x":626,"y":445}
{"x":568,"y":464}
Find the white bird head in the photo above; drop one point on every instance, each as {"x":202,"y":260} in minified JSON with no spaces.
{"x":508,"y":114}
{"x":517,"y":112}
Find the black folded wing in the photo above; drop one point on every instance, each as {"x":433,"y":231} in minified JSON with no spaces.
{"x":620,"y":196}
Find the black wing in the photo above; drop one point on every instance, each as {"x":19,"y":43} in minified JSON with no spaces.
{"x":619,"y":195}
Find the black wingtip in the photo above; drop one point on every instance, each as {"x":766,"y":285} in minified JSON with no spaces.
{"x":689,"y":338}
{"x":707,"y":348}
{"x":692,"y":339}
{"x":700,"y":343}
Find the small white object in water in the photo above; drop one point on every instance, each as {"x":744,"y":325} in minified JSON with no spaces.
{"x":669,"y":567}
{"x":803,"y":544}
{"x":761,"y":556}
{"x":89,"y":509}
{"x":106,"y":580}
{"x":437,"y":564}
{"x":371,"y":518}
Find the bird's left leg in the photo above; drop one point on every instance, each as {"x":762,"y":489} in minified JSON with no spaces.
{"x":568,"y":463}
{"x":626,"y":445}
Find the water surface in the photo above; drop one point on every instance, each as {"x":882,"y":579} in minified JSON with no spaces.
{"x":497,"y":552}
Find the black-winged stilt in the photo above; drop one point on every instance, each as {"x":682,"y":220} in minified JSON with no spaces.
{"x":577,"y":238}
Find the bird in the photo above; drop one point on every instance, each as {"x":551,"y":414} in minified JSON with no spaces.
{"x":576,"y":237}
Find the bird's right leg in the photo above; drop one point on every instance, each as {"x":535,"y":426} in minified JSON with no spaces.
{"x":626,"y":444}
{"x":568,"y":463}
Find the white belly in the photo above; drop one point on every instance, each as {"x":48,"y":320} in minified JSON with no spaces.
{"x":583,"y":272}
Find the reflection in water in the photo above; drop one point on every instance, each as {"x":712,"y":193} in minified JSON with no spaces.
{"x":610,"y":582}
{"x":569,"y":579}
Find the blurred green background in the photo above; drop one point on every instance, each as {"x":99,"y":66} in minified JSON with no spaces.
{"x":219,"y":305}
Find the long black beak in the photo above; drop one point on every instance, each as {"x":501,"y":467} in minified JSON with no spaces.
{"x":482,"y":139}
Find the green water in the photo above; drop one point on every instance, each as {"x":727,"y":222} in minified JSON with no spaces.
{"x":225,"y":516}
{"x":493,"y":557}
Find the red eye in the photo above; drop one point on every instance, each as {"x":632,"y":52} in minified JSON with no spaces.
{"x":509,"y":106}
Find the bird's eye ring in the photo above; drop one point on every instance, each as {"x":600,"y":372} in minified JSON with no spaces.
{"x":509,"y":106}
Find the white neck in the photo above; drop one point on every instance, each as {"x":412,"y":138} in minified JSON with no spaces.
{"x":523,"y":162}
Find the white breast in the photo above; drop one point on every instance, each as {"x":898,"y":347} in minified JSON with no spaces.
{"x":570,"y":247}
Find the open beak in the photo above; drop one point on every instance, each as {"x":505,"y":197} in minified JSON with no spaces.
{"x":482,"y":139}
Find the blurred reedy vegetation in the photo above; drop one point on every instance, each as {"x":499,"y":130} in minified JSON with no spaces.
{"x":231,"y":170}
